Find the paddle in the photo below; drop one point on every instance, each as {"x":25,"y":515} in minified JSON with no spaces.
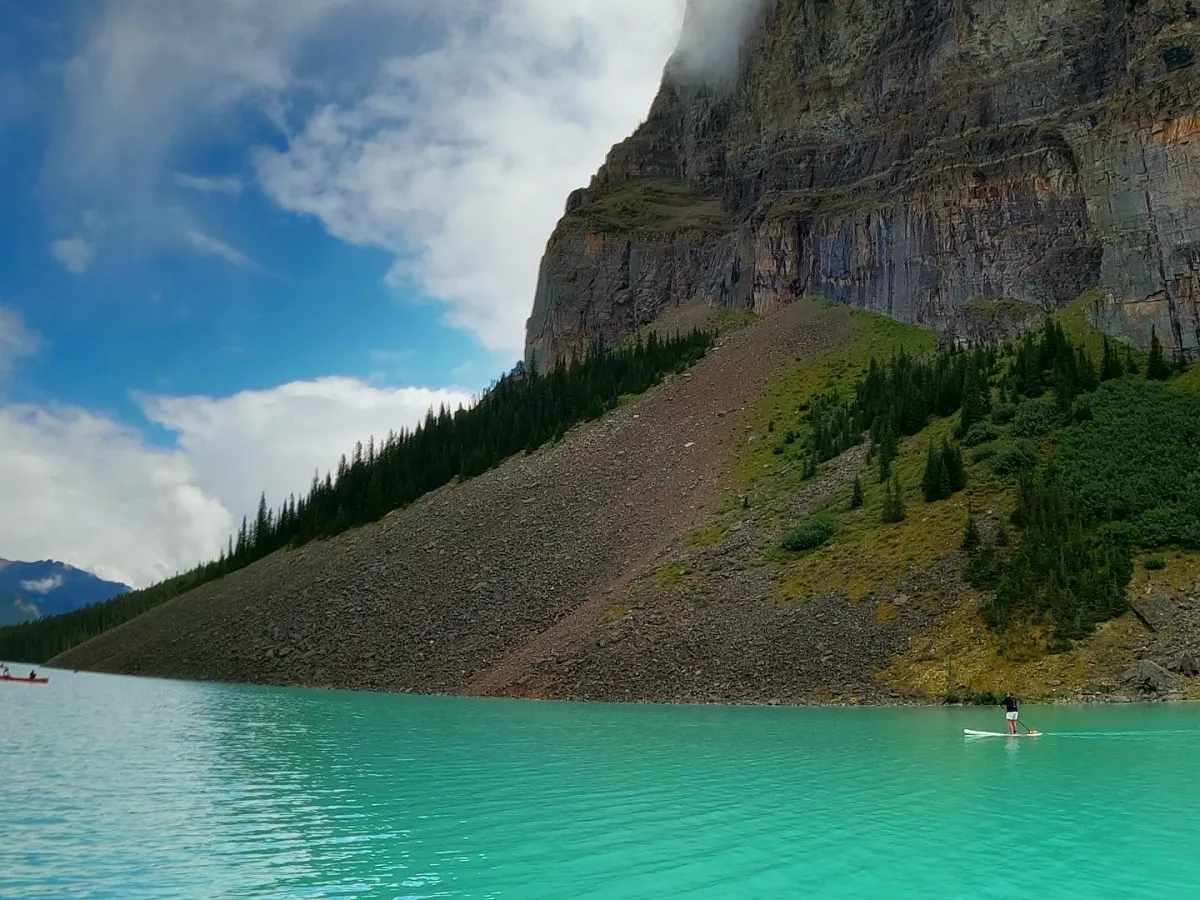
{"x":1027,"y":728}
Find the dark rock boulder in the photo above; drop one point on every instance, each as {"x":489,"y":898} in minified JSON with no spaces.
{"x":1150,"y":678}
{"x":1156,"y":613}
{"x":1186,"y":665}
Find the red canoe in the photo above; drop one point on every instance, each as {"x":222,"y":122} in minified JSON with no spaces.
{"x":24,"y":680}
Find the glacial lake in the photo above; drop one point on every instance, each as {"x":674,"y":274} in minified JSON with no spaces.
{"x":131,"y":788}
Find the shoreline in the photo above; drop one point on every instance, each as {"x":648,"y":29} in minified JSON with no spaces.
{"x":1176,"y":697}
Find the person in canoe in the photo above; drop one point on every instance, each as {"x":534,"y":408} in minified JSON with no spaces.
{"x":4,"y":673}
{"x":32,"y":674}
{"x":1011,"y":711}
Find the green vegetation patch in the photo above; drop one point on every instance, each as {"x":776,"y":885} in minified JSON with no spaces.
{"x":980,"y":433}
{"x":1013,"y":458}
{"x":810,"y":534}
{"x":781,"y":423}
{"x":708,"y":537}
{"x":1064,"y":440}
{"x":1035,"y":418}
{"x":1005,"y":306}
{"x":1137,"y":461}
{"x":670,"y":575}
{"x":657,"y":205}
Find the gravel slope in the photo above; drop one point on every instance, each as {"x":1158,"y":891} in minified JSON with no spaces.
{"x":466,"y":590}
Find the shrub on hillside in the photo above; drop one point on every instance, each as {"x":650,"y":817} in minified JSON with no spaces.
{"x":980,"y":433}
{"x":1154,"y":562}
{"x":810,"y":534}
{"x":1003,"y":413}
{"x":983,"y":454}
{"x":1015,"y":459}
{"x":1035,"y":418}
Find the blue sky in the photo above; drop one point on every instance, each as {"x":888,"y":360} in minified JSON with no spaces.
{"x":239,"y":235}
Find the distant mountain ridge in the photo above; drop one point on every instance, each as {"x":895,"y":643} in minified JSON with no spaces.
{"x":30,"y":590}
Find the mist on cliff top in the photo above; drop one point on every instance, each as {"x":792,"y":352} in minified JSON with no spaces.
{"x":713,"y":34}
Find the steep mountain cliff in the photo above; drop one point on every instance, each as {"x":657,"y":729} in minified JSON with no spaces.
{"x":912,"y":157}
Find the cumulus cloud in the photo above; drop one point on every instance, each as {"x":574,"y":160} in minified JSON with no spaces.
{"x":83,"y":487}
{"x":17,"y":341}
{"x":448,"y":134}
{"x":74,"y":253}
{"x":43,"y":585}
{"x":210,"y":246}
{"x":273,"y":440}
{"x":460,"y":158}
{"x":210,"y":184}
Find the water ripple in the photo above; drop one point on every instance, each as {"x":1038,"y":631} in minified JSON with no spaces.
{"x":128,"y":788}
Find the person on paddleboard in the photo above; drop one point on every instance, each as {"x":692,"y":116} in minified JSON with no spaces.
{"x":1011,"y":711}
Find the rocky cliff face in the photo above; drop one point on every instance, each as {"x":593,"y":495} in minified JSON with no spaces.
{"x":907,"y":156}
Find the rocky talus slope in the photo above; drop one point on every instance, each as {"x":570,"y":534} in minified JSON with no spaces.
{"x":639,"y":559}
{"x":470,"y":588}
{"x":905,"y":156}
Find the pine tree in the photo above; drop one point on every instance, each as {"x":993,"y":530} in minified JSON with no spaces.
{"x":262,"y":529}
{"x":977,"y":402}
{"x":243,"y":540}
{"x":856,"y":494}
{"x":971,"y":538}
{"x":1110,"y":363}
{"x":934,"y":482}
{"x":889,"y":449}
{"x":952,"y":465}
{"x":1085,"y":372}
{"x":1131,"y":365}
{"x":1156,"y":365}
{"x":810,"y":466}
{"x":893,"y":501}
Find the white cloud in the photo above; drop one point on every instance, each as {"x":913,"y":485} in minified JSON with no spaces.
{"x":273,"y":440}
{"x":210,"y":184}
{"x":204,"y":243}
{"x":82,"y":487}
{"x":74,"y":253}
{"x":459,"y":160}
{"x":713,"y":34}
{"x":449,"y":134}
{"x":43,"y":585}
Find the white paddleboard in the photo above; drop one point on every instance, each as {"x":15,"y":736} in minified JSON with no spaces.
{"x":972,"y":731}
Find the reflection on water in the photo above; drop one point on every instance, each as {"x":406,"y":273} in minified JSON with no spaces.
{"x":128,"y":788}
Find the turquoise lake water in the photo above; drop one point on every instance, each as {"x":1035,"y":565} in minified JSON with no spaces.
{"x":129,"y":788}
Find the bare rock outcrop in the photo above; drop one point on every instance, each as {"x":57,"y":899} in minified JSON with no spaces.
{"x":906,"y":156}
